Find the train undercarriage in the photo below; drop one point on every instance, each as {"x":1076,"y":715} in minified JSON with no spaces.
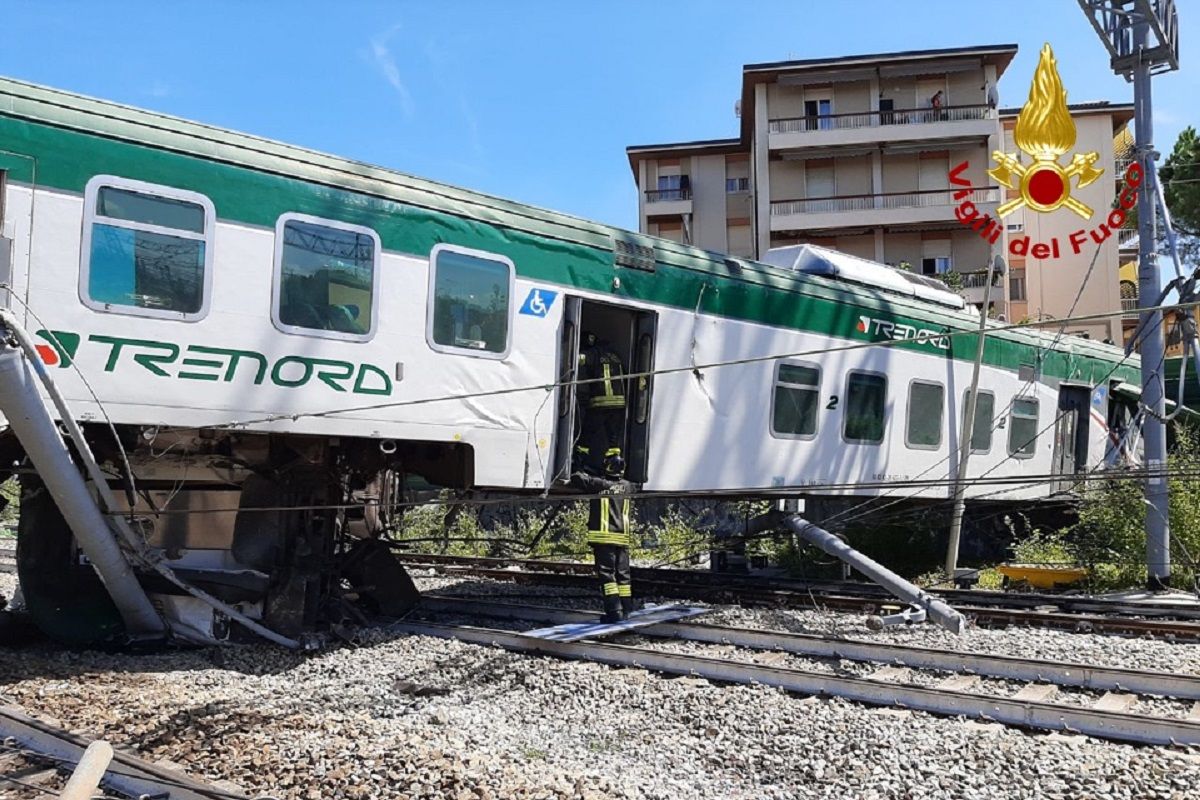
{"x":285,"y":529}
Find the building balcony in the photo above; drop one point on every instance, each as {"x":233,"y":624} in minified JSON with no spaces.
{"x":896,"y":208}
{"x":975,"y":283}
{"x":1127,"y":238}
{"x":668,"y":202}
{"x":873,"y":127}
{"x":1129,"y":306}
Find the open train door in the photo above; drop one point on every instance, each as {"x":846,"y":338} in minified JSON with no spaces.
{"x":1071,"y":434}
{"x":568,"y":409}
{"x":637,"y":467}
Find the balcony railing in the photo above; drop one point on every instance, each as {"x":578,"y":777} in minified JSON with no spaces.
{"x":1126,"y":236}
{"x":872,"y":119}
{"x":1130,"y":306}
{"x":665,"y":195}
{"x":1122,"y":164}
{"x":876,"y":202}
{"x":978,"y":280}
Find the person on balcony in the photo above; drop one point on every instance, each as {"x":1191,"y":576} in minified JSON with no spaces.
{"x":935,"y":103}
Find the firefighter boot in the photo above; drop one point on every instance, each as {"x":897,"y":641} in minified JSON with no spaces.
{"x":628,"y":606}
{"x":612,"y":610}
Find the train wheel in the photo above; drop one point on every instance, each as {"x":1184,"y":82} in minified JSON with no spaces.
{"x":65,"y":598}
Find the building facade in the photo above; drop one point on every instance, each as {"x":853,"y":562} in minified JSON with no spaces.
{"x":856,"y":154}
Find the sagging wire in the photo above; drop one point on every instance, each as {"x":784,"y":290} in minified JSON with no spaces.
{"x":127,"y":476}
{"x":996,"y":420}
{"x":917,"y":339}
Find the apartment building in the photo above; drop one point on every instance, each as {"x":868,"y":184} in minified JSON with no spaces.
{"x":855,"y":153}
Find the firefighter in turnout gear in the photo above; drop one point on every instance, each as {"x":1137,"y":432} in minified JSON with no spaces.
{"x":610,"y":534}
{"x":602,"y":400}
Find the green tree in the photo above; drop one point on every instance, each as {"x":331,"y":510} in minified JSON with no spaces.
{"x":1110,"y":536}
{"x":1180,"y":177}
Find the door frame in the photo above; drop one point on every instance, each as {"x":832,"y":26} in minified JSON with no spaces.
{"x":1073,"y":416}
{"x":567,"y":409}
{"x":641,"y":395}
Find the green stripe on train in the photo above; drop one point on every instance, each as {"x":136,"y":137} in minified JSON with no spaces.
{"x":66,"y":159}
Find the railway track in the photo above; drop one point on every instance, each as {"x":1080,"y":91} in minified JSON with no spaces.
{"x":993,"y":609}
{"x":1027,"y":693}
{"x":37,"y":758}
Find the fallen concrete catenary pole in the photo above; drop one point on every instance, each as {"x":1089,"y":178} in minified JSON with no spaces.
{"x":29,"y":418}
{"x":937,"y":610}
{"x":25,"y":345}
{"x":87,"y":776}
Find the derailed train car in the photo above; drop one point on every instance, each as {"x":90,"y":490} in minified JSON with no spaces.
{"x":255,"y":338}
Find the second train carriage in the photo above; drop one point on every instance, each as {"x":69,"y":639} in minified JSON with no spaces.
{"x":272,"y":328}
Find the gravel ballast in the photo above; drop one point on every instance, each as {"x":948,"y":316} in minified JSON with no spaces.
{"x":413,"y":717}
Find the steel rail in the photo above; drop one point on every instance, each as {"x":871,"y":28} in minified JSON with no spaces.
{"x":1118,"y":617}
{"x":127,"y":773}
{"x":1031,"y":600}
{"x":1114,"y":725}
{"x":1085,"y":676}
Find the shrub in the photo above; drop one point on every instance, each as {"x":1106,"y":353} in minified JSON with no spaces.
{"x":1045,"y":548}
{"x":1110,"y":537}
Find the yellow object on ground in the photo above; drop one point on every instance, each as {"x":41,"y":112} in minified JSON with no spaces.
{"x":1041,"y":577}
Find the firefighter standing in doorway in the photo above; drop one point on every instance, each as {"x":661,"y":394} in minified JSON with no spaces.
{"x":602,"y":400}
{"x":610,"y":534}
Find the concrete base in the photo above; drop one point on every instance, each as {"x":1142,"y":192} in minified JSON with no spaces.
{"x":1159,"y":598}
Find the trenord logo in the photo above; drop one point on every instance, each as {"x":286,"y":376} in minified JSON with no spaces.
{"x":885,"y":329}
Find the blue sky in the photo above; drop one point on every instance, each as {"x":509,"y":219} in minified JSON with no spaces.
{"x":534,"y":101}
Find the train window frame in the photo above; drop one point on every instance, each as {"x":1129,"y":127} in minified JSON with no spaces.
{"x":91,"y":194}
{"x":908,"y":421}
{"x":991,"y":429}
{"x":430,"y":306}
{"x":850,"y":375}
{"x":277,"y":278}
{"x":776,"y":385}
{"x":1013,"y":416}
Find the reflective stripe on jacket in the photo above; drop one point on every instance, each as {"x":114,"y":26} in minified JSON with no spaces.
{"x":604,"y":374}
{"x":609,"y":514}
{"x":609,"y":521}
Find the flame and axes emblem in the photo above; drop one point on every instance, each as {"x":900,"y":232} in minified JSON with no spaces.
{"x":1045,"y":131}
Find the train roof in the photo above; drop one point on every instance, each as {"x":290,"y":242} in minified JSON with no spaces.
{"x":63,"y":110}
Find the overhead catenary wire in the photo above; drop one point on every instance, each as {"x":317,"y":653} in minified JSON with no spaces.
{"x":650,"y":373}
{"x":810,"y":352}
{"x":970,"y":435}
{"x":762,"y":492}
{"x":128,"y":467}
{"x":774,"y":490}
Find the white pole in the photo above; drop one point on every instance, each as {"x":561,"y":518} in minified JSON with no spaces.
{"x":968,"y":428}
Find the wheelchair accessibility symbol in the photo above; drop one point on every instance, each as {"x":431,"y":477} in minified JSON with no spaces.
{"x":538,"y":303}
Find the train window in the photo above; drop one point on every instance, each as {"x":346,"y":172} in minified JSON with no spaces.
{"x":146,"y":249}
{"x":796,"y":399}
{"x":926,"y":408}
{"x":326,"y":278}
{"x":865,"y":408}
{"x":985,"y":422}
{"x":1023,"y":428}
{"x":470,"y":298}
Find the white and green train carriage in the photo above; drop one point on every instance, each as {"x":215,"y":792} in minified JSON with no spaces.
{"x":267,"y":327}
